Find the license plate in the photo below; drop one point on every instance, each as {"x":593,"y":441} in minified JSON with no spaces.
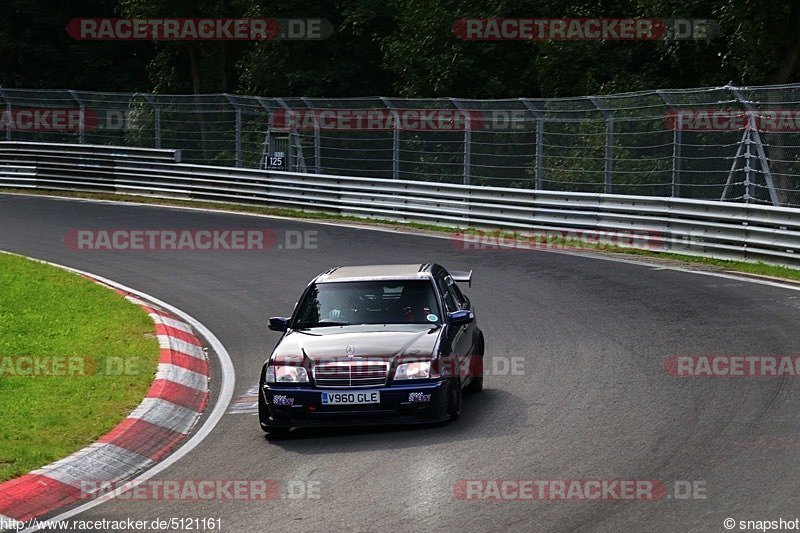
{"x":351,"y":398}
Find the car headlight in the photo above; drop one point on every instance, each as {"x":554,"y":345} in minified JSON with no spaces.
{"x":286,"y":374}
{"x":420,"y":370}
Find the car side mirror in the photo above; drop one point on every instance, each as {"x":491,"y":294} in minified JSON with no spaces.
{"x":458,"y":318}
{"x":278,"y":323}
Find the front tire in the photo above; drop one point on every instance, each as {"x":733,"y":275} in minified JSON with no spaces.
{"x":475,"y":386}
{"x":454,"y":397}
{"x":476,"y":383}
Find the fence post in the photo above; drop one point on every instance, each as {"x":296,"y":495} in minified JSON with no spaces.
{"x":81,"y":117}
{"x":290,"y":165}
{"x":8,"y":114}
{"x":157,"y":125}
{"x":295,"y":143}
{"x":317,"y":138}
{"x":729,"y":181}
{"x":238,"y":137}
{"x":238,"y":133}
{"x":677,"y":144}
{"x":609,"y":156}
{"x":467,"y":175}
{"x":748,"y":171}
{"x":156,"y":120}
{"x":395,"y":137}
{"x":754,"y":137}
{"x":538,"y":183}
{"x":266,"y":149}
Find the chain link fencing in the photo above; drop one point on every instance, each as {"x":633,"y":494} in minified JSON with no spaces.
{"x":724,"y":143}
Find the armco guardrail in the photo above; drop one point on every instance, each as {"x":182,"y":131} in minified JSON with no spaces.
{"x":710,"y":228}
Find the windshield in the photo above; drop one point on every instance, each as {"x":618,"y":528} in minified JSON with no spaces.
{"x":368,"y":302}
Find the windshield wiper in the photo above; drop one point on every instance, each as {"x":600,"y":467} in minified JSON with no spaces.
{"x":322,"y":324}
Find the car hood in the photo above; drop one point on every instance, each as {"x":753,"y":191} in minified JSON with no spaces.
{"x":363,"y":341}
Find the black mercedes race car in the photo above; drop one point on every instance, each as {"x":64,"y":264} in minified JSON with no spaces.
{"x":383,"y":344}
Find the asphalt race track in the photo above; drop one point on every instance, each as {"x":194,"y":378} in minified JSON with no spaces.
{"x":593,"y":400}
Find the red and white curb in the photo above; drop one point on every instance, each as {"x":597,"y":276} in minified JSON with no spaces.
{"x":176,"y":400}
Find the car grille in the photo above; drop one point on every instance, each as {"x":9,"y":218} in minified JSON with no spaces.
{"x":351,"y":374}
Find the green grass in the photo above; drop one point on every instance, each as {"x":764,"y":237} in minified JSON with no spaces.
{"x":757,"y":269}
{"x":744,"y":267}
{"x":46,"y":311}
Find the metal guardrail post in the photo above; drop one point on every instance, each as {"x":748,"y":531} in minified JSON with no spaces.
{"x":395,"y":137}
{"x":467,"y":174}
{"x":9,"y":111}
{"x":157,"y":125}
{"x":317,"y":139}
{"x":677,"y":144}
{"x":290,"y":156}
{"x":81,"y":117}
{"x":749,"y":184}
{"x":238,"y":137}
{"x":156,"y":120}
{"x":238,"y":133}
{"x":729,"y":181}
{"x":539,"y":181}
{"x":266,"y":149}
{"x":295,"y":144}
{"x":538,"y":175}
{"x":609,"y":156}
{"x":754,"y":137}
{"x":301,"y":160}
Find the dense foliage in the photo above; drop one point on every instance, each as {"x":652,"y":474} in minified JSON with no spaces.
{"x":398,"y":47}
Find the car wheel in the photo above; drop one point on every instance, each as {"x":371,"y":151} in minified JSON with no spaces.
{"x":475,"y":386}
{"x":476,"y":383}
{"x":454,"y":400}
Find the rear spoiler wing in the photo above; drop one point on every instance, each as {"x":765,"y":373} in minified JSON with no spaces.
{"x":462,"y":275}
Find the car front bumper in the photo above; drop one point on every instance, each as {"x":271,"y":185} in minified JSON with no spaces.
{"x":415,"y":403}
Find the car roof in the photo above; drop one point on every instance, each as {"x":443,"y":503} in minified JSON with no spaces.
{"x":367,"y":272}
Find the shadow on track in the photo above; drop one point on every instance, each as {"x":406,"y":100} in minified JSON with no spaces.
{"x":478,"y":420}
